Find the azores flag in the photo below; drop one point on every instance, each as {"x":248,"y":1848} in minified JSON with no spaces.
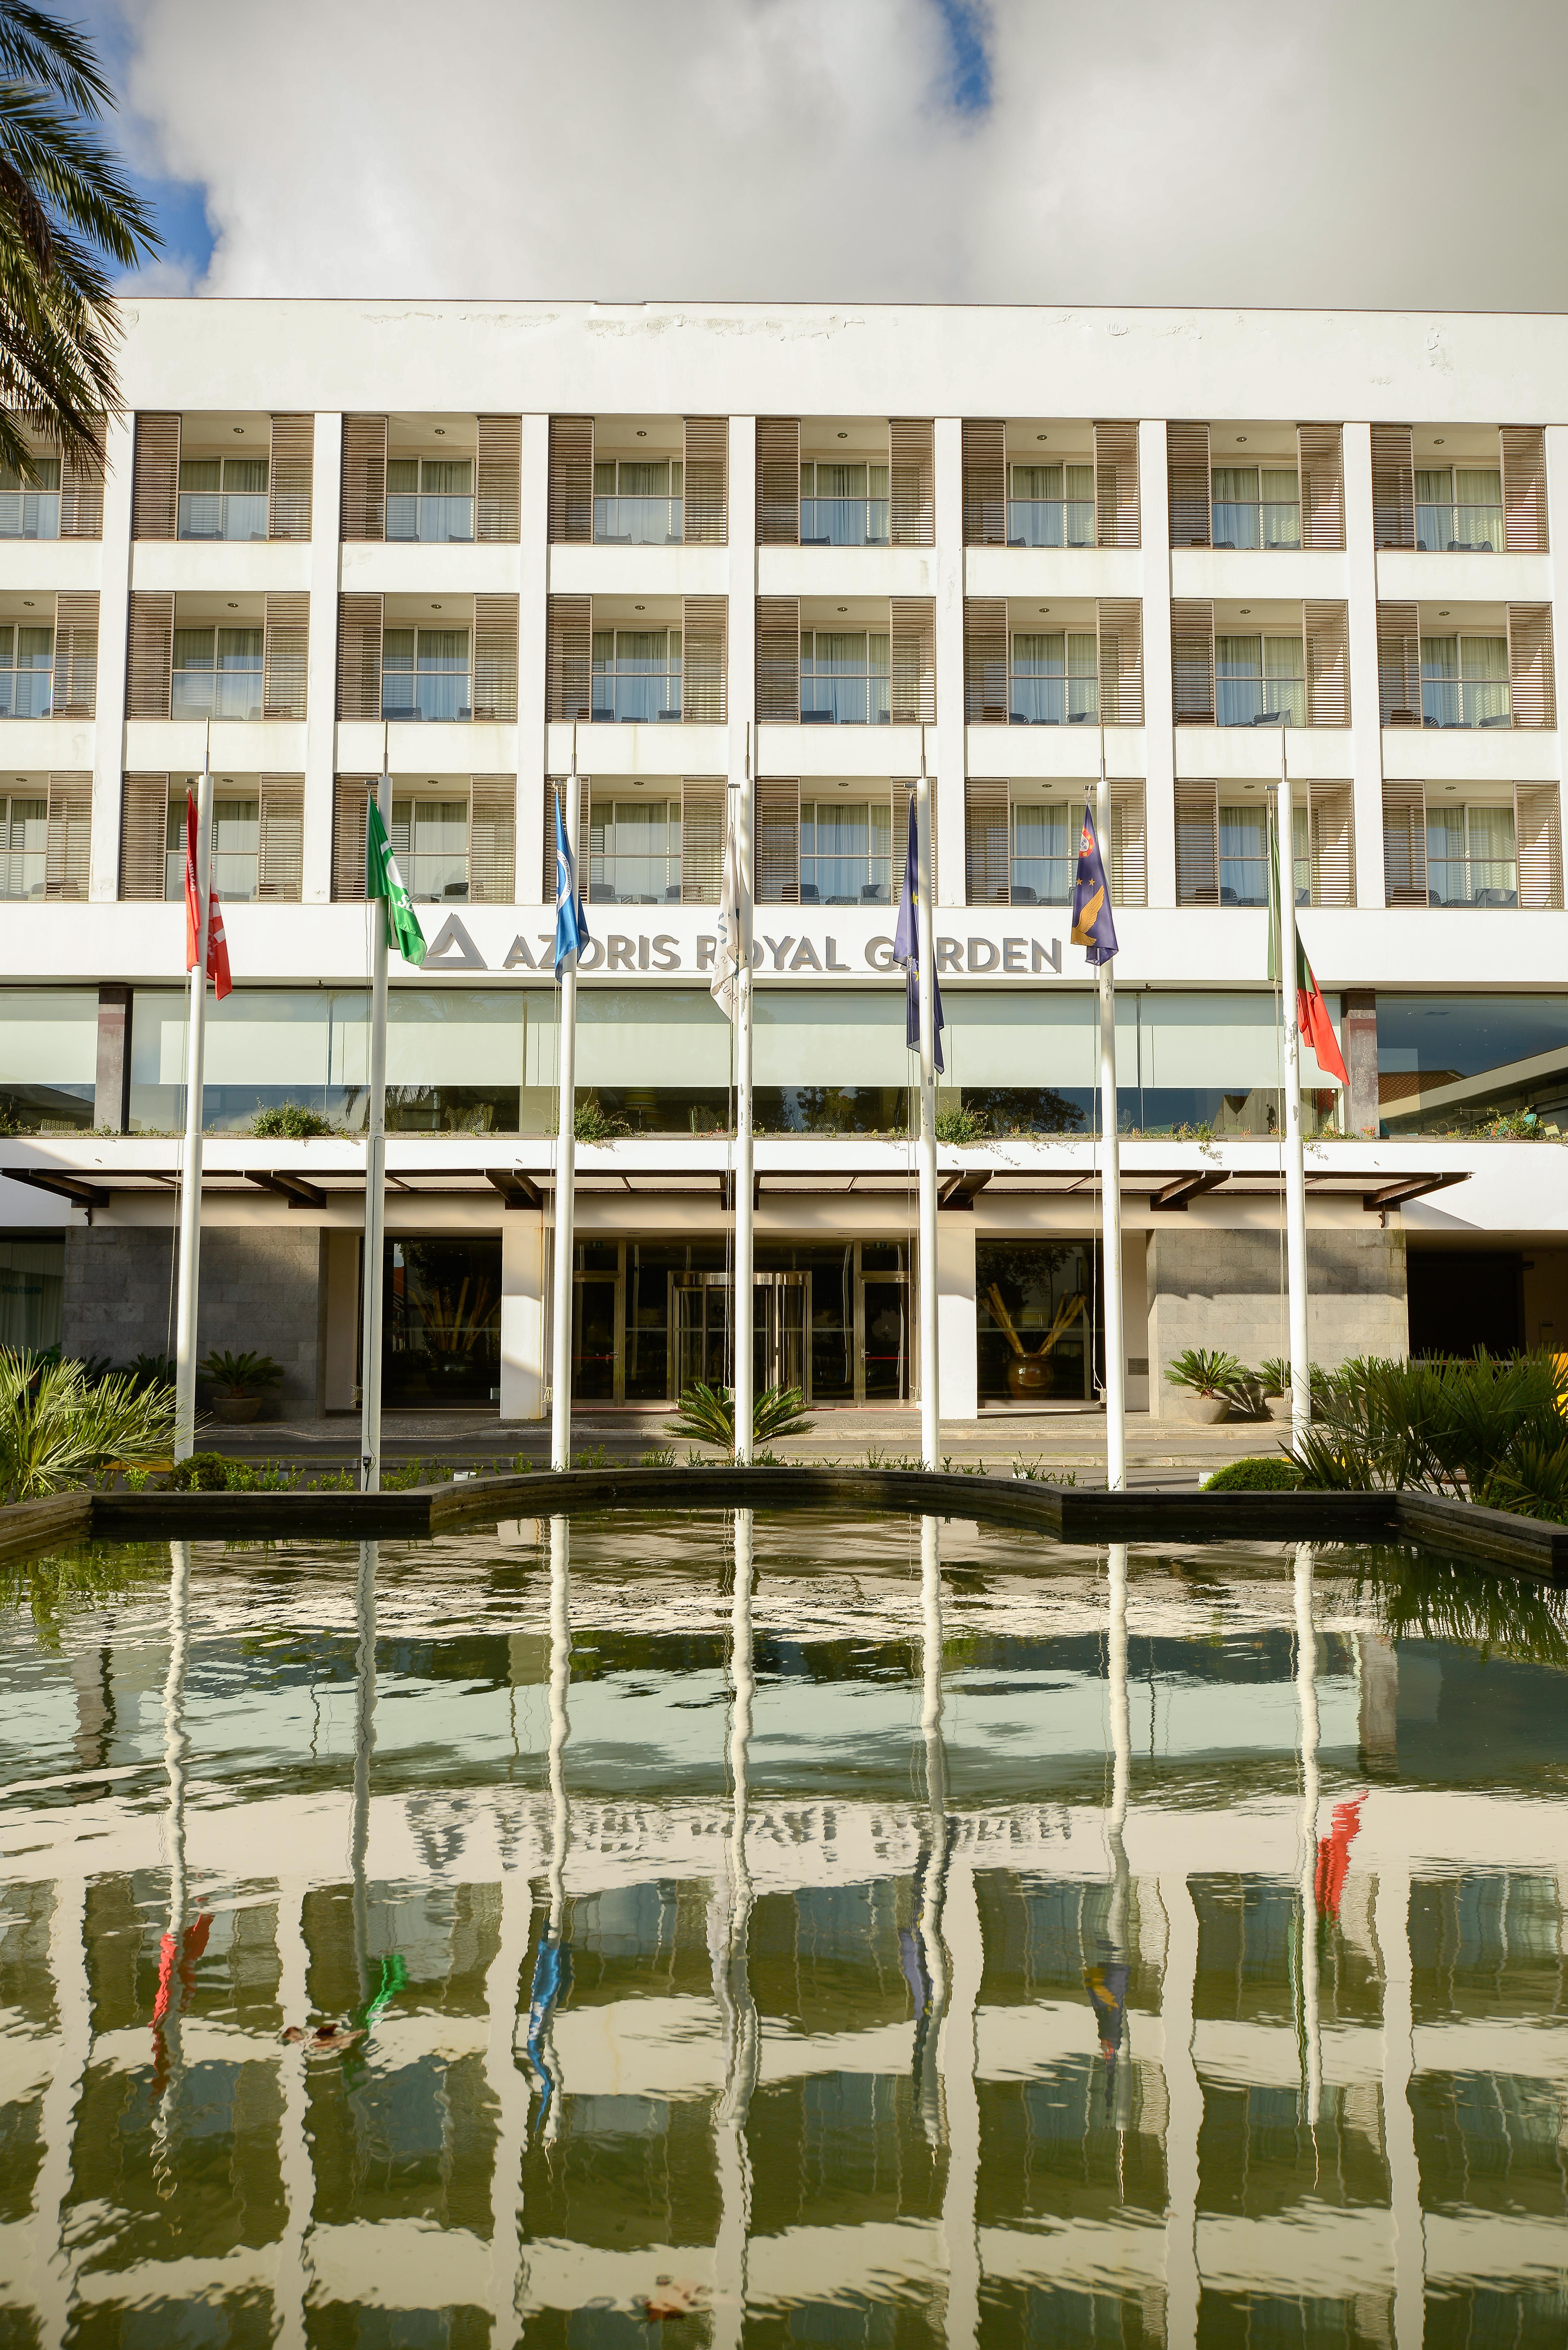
{"x":571,"y":930}
{"x":906,"y":951}
{"x":1091,"y":925}
{"x":383,"y":880}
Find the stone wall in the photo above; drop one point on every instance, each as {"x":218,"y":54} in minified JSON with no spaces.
{"x":1221,"y":1290}
{"x":260,"y":1294}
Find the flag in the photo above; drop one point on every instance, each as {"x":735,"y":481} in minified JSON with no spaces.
{"x":217,"y":945}
{"x":906,"y":951}
{"x":1091,"y":925}
{"x":1312,"y":1012}
{"x":571,"y":930}
{"x":734,"y":933}
{"x":383,"y":880}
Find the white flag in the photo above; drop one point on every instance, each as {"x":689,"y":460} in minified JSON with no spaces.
{"x":734,"y":933}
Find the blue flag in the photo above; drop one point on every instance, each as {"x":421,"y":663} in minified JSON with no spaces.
{"x":571,"y":930}
{"x":906,"y":951}
{"x":1091,"y":925}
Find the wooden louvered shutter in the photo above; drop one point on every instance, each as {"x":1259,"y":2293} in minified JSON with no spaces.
{"x":289,"y":476}
{"x":1393,"y":487}
{"x":1320,"y":454}
{"x":1119,"y":620}
{"x":1532,"y":684}
{"x":155,"y":478}
{"x":280,"y":865}
{"x":1197,"y":844}
{"x":493,"y":840}
{"x":364,"y":477}
{"x":359,"y":657}
{"x":286,"y":656}
{"x":776,"y":816}
{"x":912,"y":663}
{"x":143,"y":837}
{"x":498,"y":481}
{"x":68,"y":847}
{"x":568,"y":657}
{"x":81,"y":498}
{"x":778,"y":660}
{"x":704,"y":632}
{"x":571,"y":481}
{"x":554,"y":784}
{"x":350,"y":797}
{"x":987,"y":840}
{"x":1326,"y":628}
{"x":1331,"y":832}
{"x":1404,"y":843}
{"x":496,"y":659}
{"x":1129,"y":847}
{"x":1538,"y":836}
{"x":985,"y":661}
{"x":1399,"y":664}
{"x":1192,"y":662}
{"x":701,"y":839}
{"x":1115,"y":486}
{"x":984,"y":450}
{"x":903,"y":792}
{"x":912,"y":482}
{"x":705,"y":505}
{"x":1191,"y":503}
{"x":75,"y":655}
{"x":778,"y":482}
{"x":149,"y":654}
{"x":1524,"y":489}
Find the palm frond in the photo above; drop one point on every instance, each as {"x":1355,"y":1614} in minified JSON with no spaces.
{"x":38,"y":48}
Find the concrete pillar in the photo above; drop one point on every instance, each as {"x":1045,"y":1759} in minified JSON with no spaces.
{"x":321,"y":704}
{"x":742,"y":701}
{"x":112,"y":1085}
{"x":522,"y":1315}
{"x":956,"y":1319}
{"x":1159,"y":711}
{"x":534,"y":885}
{"x":1366,"y":709}
{"x":113,"y":619}
{"x":1363,"y":1112}
{"x":949,"y":747}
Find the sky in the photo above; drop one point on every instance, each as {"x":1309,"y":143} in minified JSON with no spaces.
{"x":1346,"y":153}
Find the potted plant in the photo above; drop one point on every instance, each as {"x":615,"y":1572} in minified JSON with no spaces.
{"x":1210,"y":1380}
{"x":1029,"y":1371}
{"x":241,"y":1380}
{"x":1274,"y":1377}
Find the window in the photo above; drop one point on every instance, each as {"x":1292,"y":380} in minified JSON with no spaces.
{"x":236,"y":843}
{"x":217,"y":673}
{"x":634,"y":852}
{"x":222,"y":497}
{"x":637,"y":501}
{"x":32,"y":1290}
{"x":1258,"y":680}
{"x":430,"y":841}
{"x":845,"y":852}
{"x":1470,"y":858}
{"x":843,"y":505}
{"x":637,"y":674}
{"x":844,"y":678}
{"x":1257,"y":505}
{"x":24,"y":844}
{"x":1459,"y":509}
{"x":1243,"y":856}
{"x":31,"y":509}
{"x":1045,"y":854}
{"x":425,"y":674}
{"x":26,"y":672}
{"x":1464,"y":681}
{"x":1051,"y":505}
{"x":430,"y":498}
{"x":1056,"y":680}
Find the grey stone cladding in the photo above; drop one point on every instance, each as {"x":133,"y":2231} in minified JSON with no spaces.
{"x":1224,"y":1290}
{"x":260,"y":1291}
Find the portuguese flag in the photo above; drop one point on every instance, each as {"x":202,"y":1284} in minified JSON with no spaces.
{"x":1312,"y":1012}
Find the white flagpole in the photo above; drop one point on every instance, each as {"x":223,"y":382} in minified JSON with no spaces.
{"x":375,"y":1176}
{"x":1111,"y":1184}
{"x":190,"y":1191}
{"x":566,"y":1173}
{"x":931,"y":1401}
{"x":746,"y":1250}
{"x":1295,"y":1173}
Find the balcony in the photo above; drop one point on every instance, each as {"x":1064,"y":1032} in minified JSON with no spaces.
{"x":1458,"y":530}
{"x":638,"y":520}
{"x":223,"y":515}
{"x":1471,"y":882}
{"x":1050,"y":521}
{"x":634,"y":852}
{"x":433,"y":695}
{"x":433,"y":519}
{"x":1466,"y":701}
{"x":844,"y":522}
{"x":1260,"y":700}
{"x":845,"y":698}
{"x":24,"y":844}
{"x":234,"y":692}
{"x":30,"y":514}
{"x":1263,"y":523}
{"x":1036,"y":699}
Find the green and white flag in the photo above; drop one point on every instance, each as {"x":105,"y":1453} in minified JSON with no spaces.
{"x":383,"y":880}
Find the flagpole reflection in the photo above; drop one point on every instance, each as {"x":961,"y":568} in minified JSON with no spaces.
{"x":364,"y":1748}
{"x":922,"y":1949}
{"x":731,"y":1973}
{"x":1308,"y":2019}
{"x":183,"y":1941}
{"x":552,"y":1966}
{"x":1106,"y":1978}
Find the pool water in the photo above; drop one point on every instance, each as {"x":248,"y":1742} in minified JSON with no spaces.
{"x":721,"y":1931}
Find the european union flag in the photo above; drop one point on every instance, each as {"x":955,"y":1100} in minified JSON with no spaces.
{"x":571,"y":930}
{"x":1091,"y":925}
{"x":906,"y":951}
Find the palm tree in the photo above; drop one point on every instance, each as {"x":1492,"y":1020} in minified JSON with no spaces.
{"x":66,"y":212}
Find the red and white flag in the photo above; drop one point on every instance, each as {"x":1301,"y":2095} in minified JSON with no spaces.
{"x":217,"y":945}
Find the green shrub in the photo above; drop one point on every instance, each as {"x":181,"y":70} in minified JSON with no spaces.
{"x":58,"y":1428}
{"x":290,"y":1121}
{"x":709,"y":1414}
{"x":1494,"y":1430}
{"x":1258,"y":1474}
{"x":201,"y":1473}
{"x":961,"y":1127}
{"x":591,"y":1122}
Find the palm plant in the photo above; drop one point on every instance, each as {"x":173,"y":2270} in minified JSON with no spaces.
{"x":66,"y":208}
{"x":1494,"y":1431}
{"x":709,"y":1414}
{"x":56,"y":1429}
{"x":1205,"y":1372}
{"x":241,"y":1375}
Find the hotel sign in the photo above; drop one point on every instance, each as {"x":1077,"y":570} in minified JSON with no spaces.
{"x":791,"y":941}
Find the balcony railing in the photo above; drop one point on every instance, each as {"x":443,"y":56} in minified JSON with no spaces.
{"x":1042,"y":880}
{"x":1458,"y":530}
{"x":844,"y":522}
{"x":854,"y":701}
{"x":1050,"y":521}
{"x":635,"y":700}
{"x":1466,"y":701}
{"x":26,"y":692}
{"x":23,"y":874}
{"x":1260,"y":700}
{"x":29,"y":513}
{"x":433,"y":694}
{"x":846,"y":881}
{"x":433,"y":520}
{"x":215,"y":513}
{"x":1471,"y":882}
{"x":639,"y":522}
{"x":1053,"y":700}
{"x":1266,"y":524}
{"x":216,"y":693}
{"x":633,"y":880}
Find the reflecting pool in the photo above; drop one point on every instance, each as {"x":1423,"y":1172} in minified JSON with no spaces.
{"x":722,"y":1931}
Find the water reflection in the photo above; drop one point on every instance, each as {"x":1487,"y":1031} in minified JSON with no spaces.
{"x":553,"y":1962}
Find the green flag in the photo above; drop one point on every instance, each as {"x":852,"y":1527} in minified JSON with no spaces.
{"x":383,"y":880}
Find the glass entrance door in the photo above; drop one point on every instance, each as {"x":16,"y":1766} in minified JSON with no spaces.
{"x":701,"y":1329}
{"x":780,"y":1317}
{"x":781,"y":1314}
